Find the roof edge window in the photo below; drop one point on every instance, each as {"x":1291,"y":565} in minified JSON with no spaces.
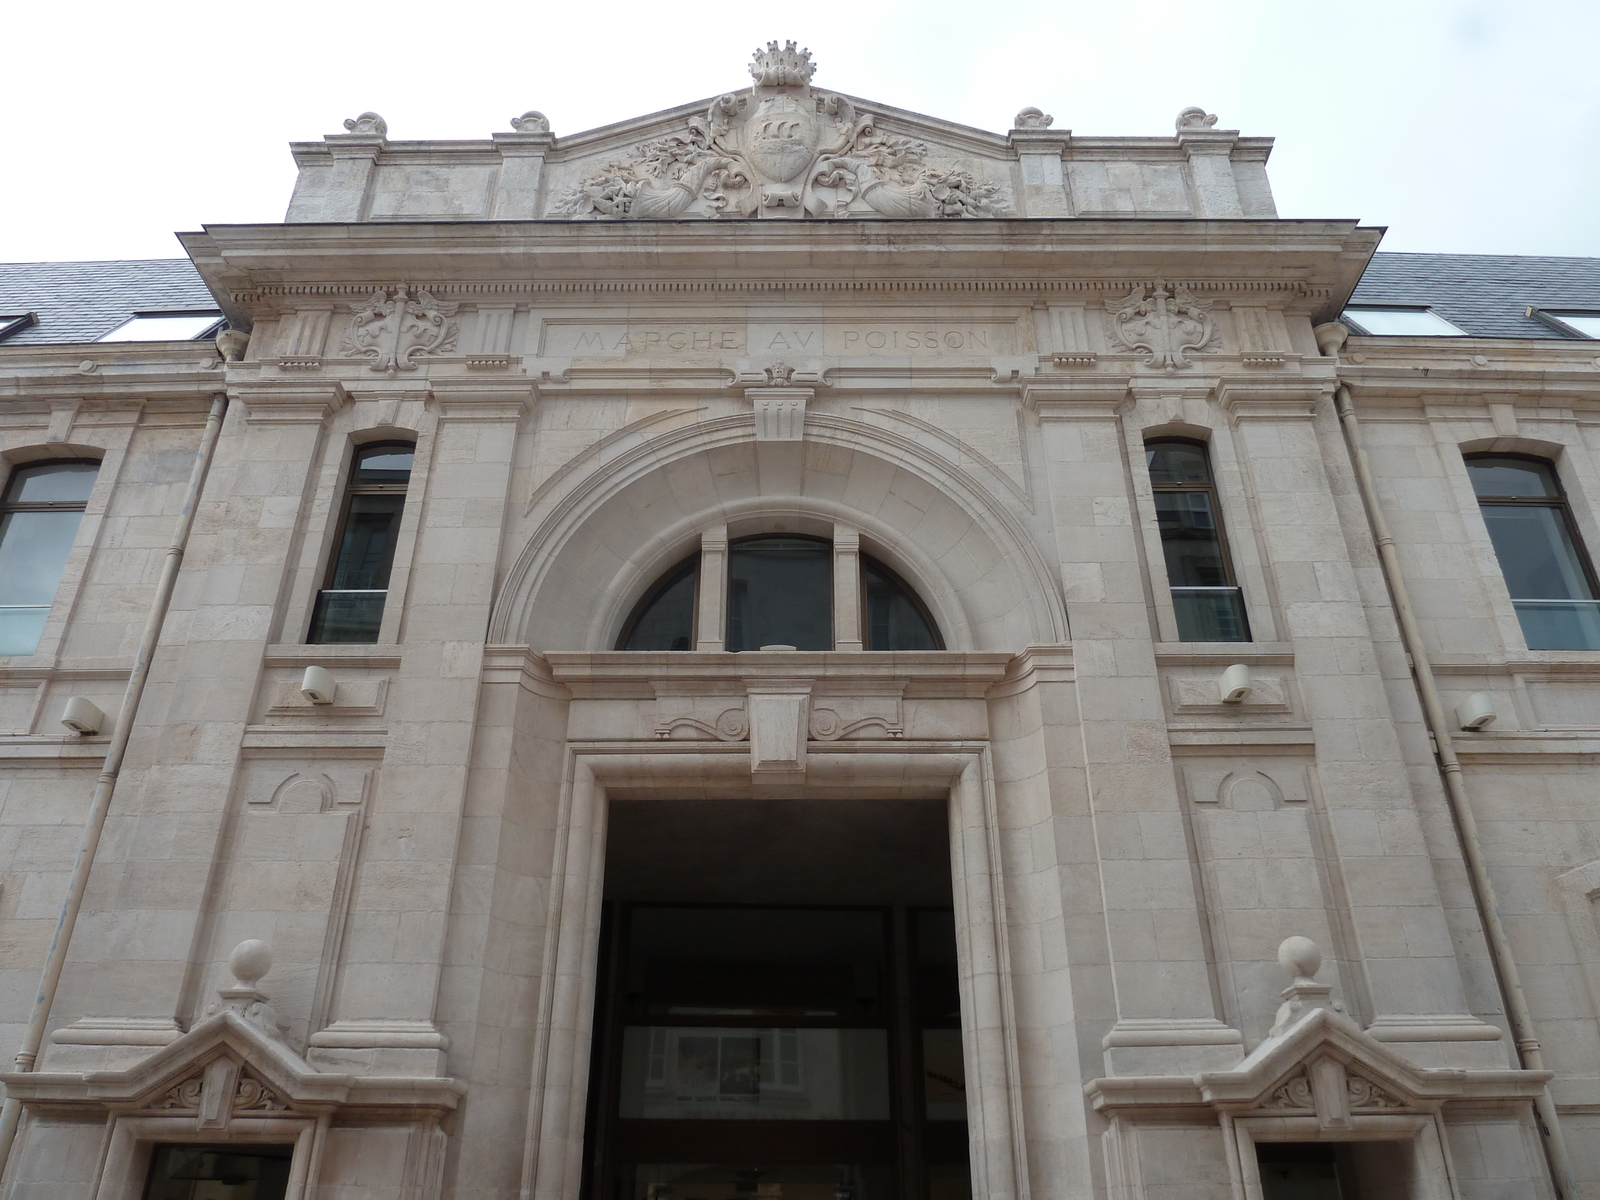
{"x":16,"y":322}
{"x":1399,"y":320}
{"x":189,"y":325}
{"x":1570,"y":322}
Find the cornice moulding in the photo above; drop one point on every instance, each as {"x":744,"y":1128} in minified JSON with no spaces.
{"x":1315,"y":261}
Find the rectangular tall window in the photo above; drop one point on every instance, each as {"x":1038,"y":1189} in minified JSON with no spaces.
{"x":39,"y":515}
{"x":1205,"y":597}
{"x":350,"y":607}
{"x":1550,"y":579}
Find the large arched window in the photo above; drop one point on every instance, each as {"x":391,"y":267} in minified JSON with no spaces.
{"x":350,"y":605}
{"x":1551,"y":581}
{"x":1205,"y":596}
{"x":39,"y":515}
{"x":781,"y":591}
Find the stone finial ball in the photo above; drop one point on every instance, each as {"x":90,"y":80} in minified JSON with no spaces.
{"x":1300,"y":956}
{"x":249,"y":961}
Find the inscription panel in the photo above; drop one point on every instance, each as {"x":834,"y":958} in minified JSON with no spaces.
{"x":834,"y":339}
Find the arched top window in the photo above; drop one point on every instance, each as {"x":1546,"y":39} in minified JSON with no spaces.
{"x":1550,"y":578}
{"x":1205,"y":596}
{"x":40,"y":510}
{"x":780,"y":591}
{"x":350,"y":605}
{"x":664,"y":617}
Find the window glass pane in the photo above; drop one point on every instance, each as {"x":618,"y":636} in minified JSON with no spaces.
{"x":713,"y":1073}
{"x":780,"y":593}
{"x":1176,"y":463}
{"x":667,"y":620}
{"x":760,"y":1181}
{"x":33,"y":551}
{"x":1536,"y":553}
{"x":757,"y":961}
{"x":1559,"y":624}
{"x":352,"y":616}
{"x":1189,"y":540}
{"x":1400,"y":322}
{"x":219,"y":1172}
{"x":20,"y":629}
{"x":1210,"y":615}
{"x":894,"y":619}
{"x":944,"y":1075}
{"x":164,"y":329}
{"x":1511,"y":477}
{"x":384,"y":464}
{"x":52,"y":483}
{"x":1587,"y":324}
{"x":938,"y":988}
{"x":368,"y":546}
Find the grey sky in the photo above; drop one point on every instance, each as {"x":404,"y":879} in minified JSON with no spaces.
{"x":1462,"y":125}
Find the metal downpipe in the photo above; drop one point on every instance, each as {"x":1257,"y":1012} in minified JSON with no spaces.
{"x":100,"y":805}
{"x":1466,"y":825}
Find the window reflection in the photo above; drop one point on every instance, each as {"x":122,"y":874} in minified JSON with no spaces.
{"x":40,"y":511}
{"x":350,"y":607}
{"x":780,"y":593}
{"x":664,"y":619}
{"x":1549,"y":577}
{"x":1205,"y":597}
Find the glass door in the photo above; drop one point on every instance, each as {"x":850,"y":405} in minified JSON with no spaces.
{"x":778,"y":1053}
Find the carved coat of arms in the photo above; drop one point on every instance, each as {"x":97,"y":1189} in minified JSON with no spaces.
{"x":782,"y":149}
{"x":1165,"y":324}
{"x":392,"y":327}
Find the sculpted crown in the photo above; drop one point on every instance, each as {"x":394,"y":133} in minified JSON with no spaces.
{"x":775,"y":68}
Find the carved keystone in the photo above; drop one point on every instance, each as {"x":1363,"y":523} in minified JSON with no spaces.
{"x":779,"y":716}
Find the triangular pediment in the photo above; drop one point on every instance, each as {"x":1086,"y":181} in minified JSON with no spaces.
{"x":1285,"y":1072}
{"x":227,"y":1067}
{"x":782,"y":148}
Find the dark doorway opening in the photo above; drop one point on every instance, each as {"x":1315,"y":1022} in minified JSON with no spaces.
{"x":778,"y":1014}
{"x":221,"y":1172}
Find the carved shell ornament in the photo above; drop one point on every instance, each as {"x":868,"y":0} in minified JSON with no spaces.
{"x":781,"y":149}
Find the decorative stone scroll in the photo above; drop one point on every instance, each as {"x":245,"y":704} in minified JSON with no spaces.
{"x":781,"y":149}
{"x":391,"y":328}
{"x":1166,"y":324}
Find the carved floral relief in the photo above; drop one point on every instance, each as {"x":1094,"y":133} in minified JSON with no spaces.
{"x":781,"y":149}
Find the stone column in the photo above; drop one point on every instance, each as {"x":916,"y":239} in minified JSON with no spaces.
{"x":711,"y":602}
{"x":132,"y":958}
{"x":1398,"y":923}
{"x":521,"y":179}
{"x":1211,"y":182}
{"x":848,"y":633}
{"x":355,"y":161}
{"x":388,"y":986}
{"x":1166,"y":1003}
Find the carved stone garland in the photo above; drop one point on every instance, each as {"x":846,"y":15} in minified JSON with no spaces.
{"x":780,"y":149}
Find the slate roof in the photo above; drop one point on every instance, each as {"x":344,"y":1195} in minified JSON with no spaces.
{"x":1487,"y":295}
{"x":82,"y":301}
{"x":1484,"y":295}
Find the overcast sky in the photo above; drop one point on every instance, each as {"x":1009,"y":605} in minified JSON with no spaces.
{"x":1462,"y":125}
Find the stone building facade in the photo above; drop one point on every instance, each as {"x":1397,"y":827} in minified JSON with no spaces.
{"x":788,"y":648}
